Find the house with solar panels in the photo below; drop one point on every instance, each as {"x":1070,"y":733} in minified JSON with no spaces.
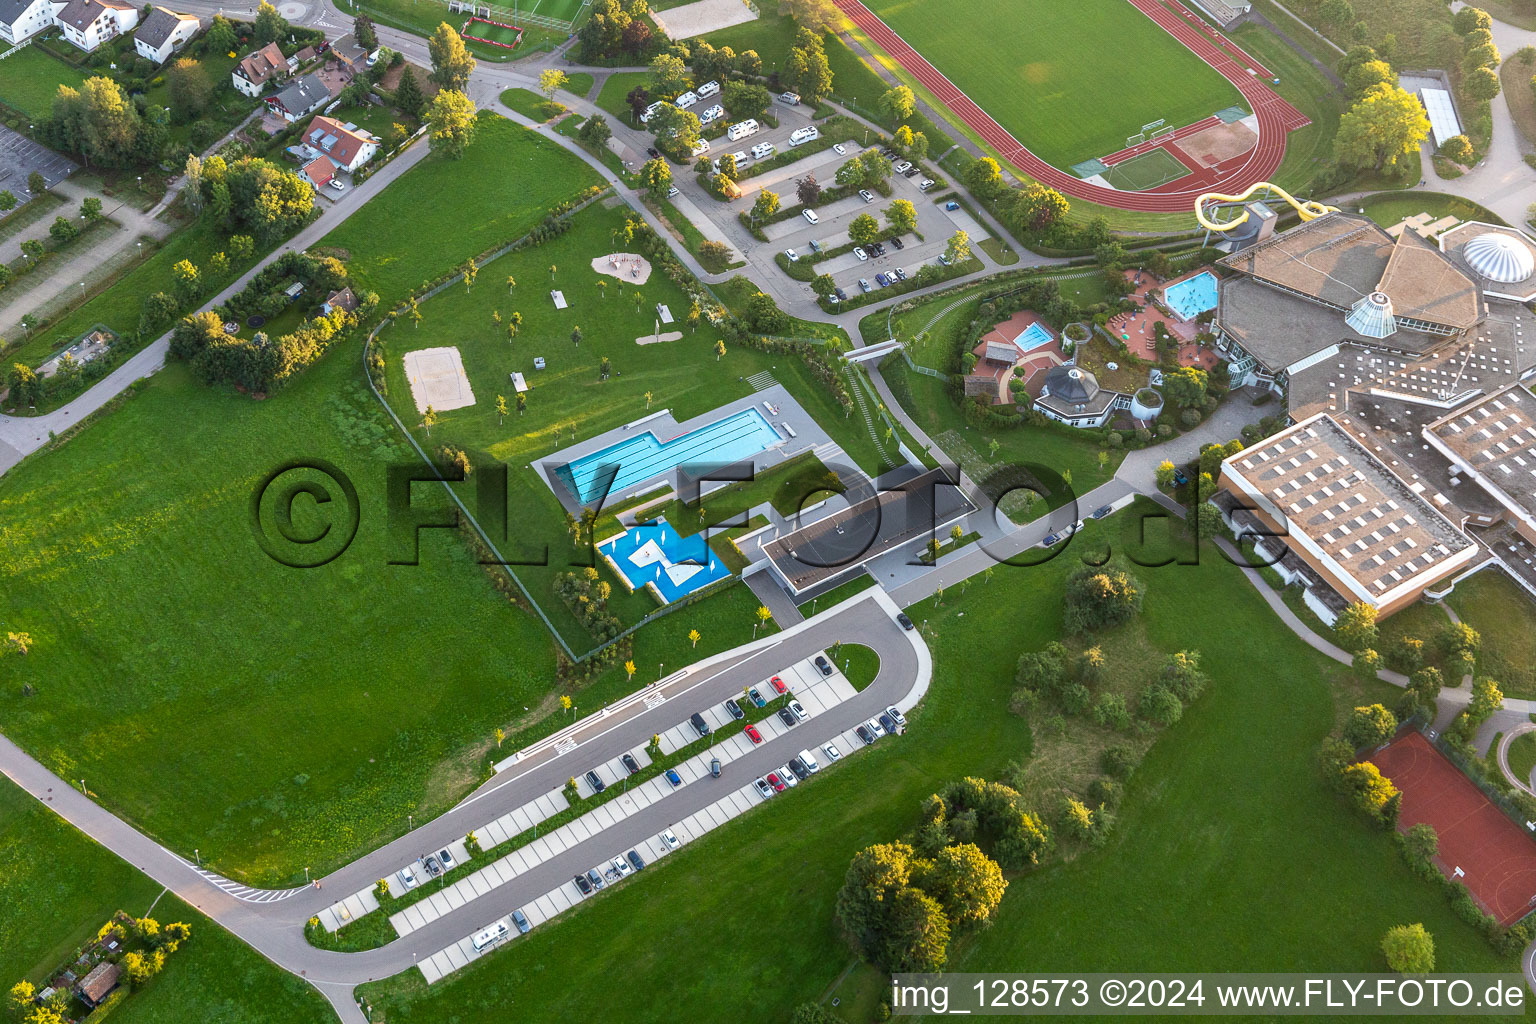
{"x":346,"y":146}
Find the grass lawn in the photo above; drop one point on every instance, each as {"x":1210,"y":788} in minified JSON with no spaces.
{"x":30,"y":78}
{"x":531,"y":104}
{"x":1111,"y":909}
{"x":619,"y":85}
{"x":1389,"y":208}
{"x":422,"y":18}
{"x":1522,"y":756}
{"x":860,"y":664}
{"x":1516,"y":78}
{"x":235,"y":704}
{"x":1084,"y":76}
{"x":443,"y":210}
{"x":61,"y":887}
{"x":1309,"y":149}
{"x":1502,"y":612}
{"x":579,"y":84}
{"x":568,"y":401}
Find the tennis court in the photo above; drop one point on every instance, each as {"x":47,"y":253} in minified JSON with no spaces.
{"x":1150,"y":169}
{"x":1479,"y":845}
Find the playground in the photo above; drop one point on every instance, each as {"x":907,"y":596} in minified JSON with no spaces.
{"x":1479,"y":845}
{"x":1166,"y":67}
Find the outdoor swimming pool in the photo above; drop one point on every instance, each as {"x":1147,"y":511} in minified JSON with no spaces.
{"x":1191,"y":297}
{"x":655,"y":554}
{"x":1035,"y":335}
{"x":644,"y":456}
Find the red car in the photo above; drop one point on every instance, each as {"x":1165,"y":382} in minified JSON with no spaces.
{"x":776,"y":783}
{"x":778,"y":685}
{"x":753,"y":734}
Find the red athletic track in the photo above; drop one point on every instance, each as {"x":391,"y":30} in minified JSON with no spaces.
{"x":1146,"y":147}
{"x":1499,"y":861}
{"x":1275,"y":117}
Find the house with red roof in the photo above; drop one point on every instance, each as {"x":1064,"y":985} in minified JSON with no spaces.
{"x":346,"y":145}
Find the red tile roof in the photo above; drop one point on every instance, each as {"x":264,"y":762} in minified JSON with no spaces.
{"x":348,"y":142}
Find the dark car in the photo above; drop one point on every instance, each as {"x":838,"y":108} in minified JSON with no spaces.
{"x":701,"y":726}
{"x":714,"y":767}
{"x":887,"y":723}
{"x":521,"y":920}
{"x":787,"y":718}
{"x":880,"y":280}
{"x":650,"y":151}
{"x":630,"y":764}
{"x":865,"y":735}
{"x":1102,"y":511}
{"x":595,"y":782}
{"x":584,"y":885}
{"x":674,"y":778}
{"x":842,"y":296}
{"x":824,"y":665}
{"x":734,"y":710}
{"x":1051,"y":539}
{"x":901,"y":275}
{"x":879,"y":249}
{"x":433,"y":867}
{"x":595,"y":878}
{"x":903,"y":621}
{"x":635,"y":860}
{"x":756,"y":698}
{"x":911,"y":172}
{"x":899,"y":244}
{"x":798,"y":767}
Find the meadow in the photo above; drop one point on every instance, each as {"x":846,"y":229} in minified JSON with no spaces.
{"x":60,"y":887}
{"x":30,"y":79}
{"x":1070,"y":81}
{"x":1230,"y":853}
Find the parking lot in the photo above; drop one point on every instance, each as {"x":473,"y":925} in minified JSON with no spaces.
{"x":20,"y":156}
{"x":609,"y":828}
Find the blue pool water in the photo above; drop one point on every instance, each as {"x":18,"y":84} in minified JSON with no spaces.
{"x":643,"y":456}
{"x":654,"y":553}
{"x":1188,"y":299}
{"x":1034,"y":336}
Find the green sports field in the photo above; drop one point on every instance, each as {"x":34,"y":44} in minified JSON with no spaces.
{"x":1069,"y":80}
{"x":1149,"y":170}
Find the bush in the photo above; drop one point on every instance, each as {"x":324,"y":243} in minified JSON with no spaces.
{"x":1106,"y":791}
{"x":1118,"y":762}
{"x":1110,"y":712}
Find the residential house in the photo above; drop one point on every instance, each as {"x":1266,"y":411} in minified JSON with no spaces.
{"x":344,"y":299}
{"x":163,"y":33}
{"x":255,"y":70}
{"x":348,"y":146}
{"x":318,"y":172}
{"x":1072,"y":395}
{"x":89,"y":23}
{"x":20,"y":20}
{"x":97,"y":985}
{"x":300,"y":97}
{"x":350,"y":54}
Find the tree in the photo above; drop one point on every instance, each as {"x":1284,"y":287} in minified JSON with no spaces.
{"x":97,"y":120}
{"x":808,"y":191}
{"x":1471,"y":19}
{"x":23,"y":385}
{"x":816,"y":15}
{"x":269,"y":25}
{"x":637,"y":35}
{"x":501,"y":409}
{"x":669,"y":75}
{"x":36,"y":183}
{"x":1481,"y":84}
{"x":1458,"y":149}
{"x":576,"y":336}
{"x":32,"y":249}
{"x":824,"y":286}
{"x":1356,"y":626}
{"x":90,"y":209}
{"x":7,"y":201}
{"x":594,"y":131}
{"x":241,"y":247}
{"x":864,"y":229}
{"x":959,"y":248}
{"x":408,"y":95}
{"x":1365,"y":76}
{"x":901,"y":216}
{"x":470,"y":270}
{"x":967,"y":883}
{"x":766,"y":205}
{"x":20,"y":998}
{"x":1370,"y":790}
{"x":851,"y":174}
{"x":362,"y":31}
{"x":63,"y":230}
{"x":728,"y":165}
{"x":746,"y":99}
{"x":693,"y":637}
{"x":1369,"y":726}
{"x":1036,"y":207}
{"x":1409,"y":949}
{"x":656,"y":176}
{"x":1486,"y":699}
{"x":898,"y":104}
{"x":551,"y":80}
{"x":1185,"y":386}
{"x":984,"y":179}
{"x":522,"y":403}
{"x":1383,"y":125}
{"x":1098,"y":597}
{"x":451,"y":119}
{"x":137,"y":966}
{"x":221,"y":36}
{"x":188,"y":281}
{"x":808,"y":70}
{"x":190,"y":89}
{"x":429,"y":419}
{"x":638,"y":99}
{"x":451,"y":62}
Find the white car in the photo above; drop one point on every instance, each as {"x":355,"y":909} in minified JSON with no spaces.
{"x":671,"y":191}
{"x":407,"y":878}
{"x":810,"y":216}
{"x":840,"y":149}
{"x":336,"y":185}
{"x":866,"y":195}
{"x":700,"y":148}
{"x":712,"y":114}
{"x":833,"y":754}
{"x":622,"y":866}
{"x":902,"y":166}
{"x":668,"y":839}
{"x":798,"y":710}
{"x":875,"y":727}
{"x":787,"y":776}
{"x":794,"y":257}
{"x":925,"y":185}
{"x":858,"y":251}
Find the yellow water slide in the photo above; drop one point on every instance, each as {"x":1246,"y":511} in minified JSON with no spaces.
{"x":1308,"y":209}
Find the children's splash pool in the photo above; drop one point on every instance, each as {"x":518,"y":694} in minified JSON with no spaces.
{"x":655,"y":554}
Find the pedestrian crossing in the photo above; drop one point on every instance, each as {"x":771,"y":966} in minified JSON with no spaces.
{"x":246,"y":893}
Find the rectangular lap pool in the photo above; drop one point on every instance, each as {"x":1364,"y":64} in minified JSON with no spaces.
{"x":640,"y":458}
{"x":1035,"y":335}
{"x":1192,"y":296}
{"x":654,"y":555}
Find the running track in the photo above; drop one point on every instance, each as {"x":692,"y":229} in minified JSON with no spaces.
{"x":1275,"y":117}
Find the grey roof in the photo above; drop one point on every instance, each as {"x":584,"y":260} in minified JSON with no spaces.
{"x":80,"y":13}
{"x":303,"y":95}
{"x":1071,"y":384}
{"x":10,"y":10}
{"x":157,"y":28}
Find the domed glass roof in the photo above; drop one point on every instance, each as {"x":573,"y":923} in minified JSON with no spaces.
{"x":1372,"y":316}
{"x":1499,"y":257}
